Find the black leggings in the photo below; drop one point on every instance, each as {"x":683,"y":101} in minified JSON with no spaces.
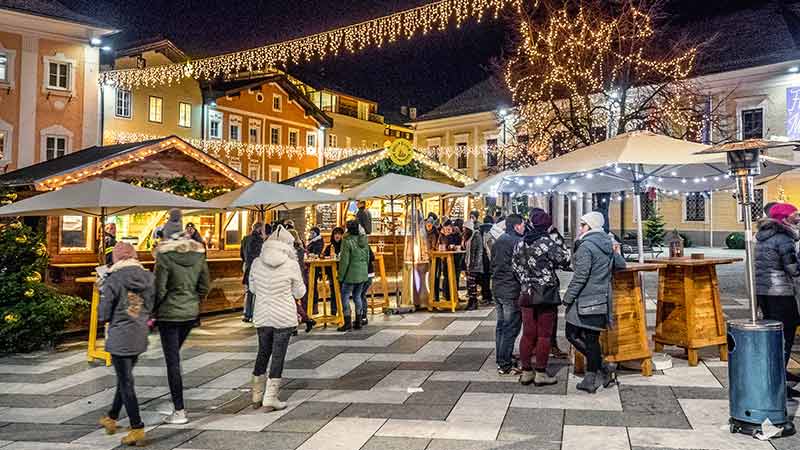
{"x":782,"y":308}
{"x":173,"y":335}
{"x":587,"y":342}
{"x":126,"y":394}
{"x":272,"y":342}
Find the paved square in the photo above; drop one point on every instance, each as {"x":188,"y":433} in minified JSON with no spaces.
{"x":417,"y":382}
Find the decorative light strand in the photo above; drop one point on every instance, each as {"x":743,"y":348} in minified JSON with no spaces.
{"x":374,"y":33}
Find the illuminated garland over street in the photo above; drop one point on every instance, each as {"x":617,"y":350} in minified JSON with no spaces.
{"x":352,"y":38}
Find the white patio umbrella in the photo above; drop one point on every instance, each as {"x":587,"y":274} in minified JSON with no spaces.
{"x":263,"y":196}
{"x":99,"y":198}
{"x":636,"y":160}
{"x":488,"y":185}
{"x":393,"y":186}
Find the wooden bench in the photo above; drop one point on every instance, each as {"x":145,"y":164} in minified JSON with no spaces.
{"x":630,"y":249}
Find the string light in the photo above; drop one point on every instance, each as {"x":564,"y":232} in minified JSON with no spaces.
{"x":373,"y":33}
{"x":573,"y":81}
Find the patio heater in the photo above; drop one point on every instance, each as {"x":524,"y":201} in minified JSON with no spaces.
{"x":415,"y":256}
{"x":756,"y":370}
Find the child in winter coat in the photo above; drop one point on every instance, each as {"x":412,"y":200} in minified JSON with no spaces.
{"x":127,"y":297}
{"x":277,"y":283}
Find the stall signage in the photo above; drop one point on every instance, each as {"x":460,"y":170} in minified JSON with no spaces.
{"x":401,"y":152}
{"x":793,"y":112}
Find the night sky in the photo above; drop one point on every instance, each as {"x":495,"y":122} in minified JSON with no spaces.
{"x":423,"y":72}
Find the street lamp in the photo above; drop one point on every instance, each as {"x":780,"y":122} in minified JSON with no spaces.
{"x":756,"y":368}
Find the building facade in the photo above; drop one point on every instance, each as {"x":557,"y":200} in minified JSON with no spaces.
{"x":49,"y":97}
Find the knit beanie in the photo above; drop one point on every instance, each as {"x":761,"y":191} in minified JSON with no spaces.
{"x":281,"y":234}
{"x":594,"y":219}
{"x":781,"y":211}
{"x":123,"y":250}
{"x":174,"y":225}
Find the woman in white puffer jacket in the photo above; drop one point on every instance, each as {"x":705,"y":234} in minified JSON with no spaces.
{"x":276,"y":281}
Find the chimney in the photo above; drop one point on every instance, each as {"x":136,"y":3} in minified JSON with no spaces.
{"x":404,"y":110}
{"x":412,"y":113}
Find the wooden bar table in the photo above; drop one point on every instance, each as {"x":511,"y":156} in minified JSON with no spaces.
{"x":446,"y":257}
{"x":384,"y":285}
{"x":627,"y":339}
{"x":325,"y":318}
{"x":93,"y":352}
{"x":689,"y":312}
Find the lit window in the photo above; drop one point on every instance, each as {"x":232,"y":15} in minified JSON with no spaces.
{"x":254,"y":171}
{"x":185,"y":115}
{"x":156,"y":109}
{"x":491,"y":152}
{"x":753,"y":123}
{"x":56,"y":147}
{"x":293,"y":138}
{"x":254,"y":132}
{"x":236,"y":222}
{"x":311,"y":139}
{"x":215,"y":125}
{"x":76,"y":234}
{"x":275,"y":174}
{"x":3,"y":67}
{"x":462,"y":156}
{"x":274,"y":135}
{"x":235,"y":163}
{"x":292,"y":172}
{"x":276,"y":103}
{"x":123,"y":104}
{"x":58,"y":75}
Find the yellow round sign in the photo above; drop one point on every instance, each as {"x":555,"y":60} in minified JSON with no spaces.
{"x":401,"y":152}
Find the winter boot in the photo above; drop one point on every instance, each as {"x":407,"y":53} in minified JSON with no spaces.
{"x":271,"y":402}
{"x":357,"y":322}
{"x":527,"y":377}
{"x":347,"y":326}
{"x":543,"y":379}
{"x":364,"y":321}
{"x":258,"y":390}
{"x":134,"y":437}
{"x":590,"y":383}
{"x":472,"y":304}
{"x":608,"y":375}
{"x":109,"y":424}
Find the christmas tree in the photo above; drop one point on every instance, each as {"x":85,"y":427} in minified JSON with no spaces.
{"x":32,"y":314}
{"x":654,"y":229}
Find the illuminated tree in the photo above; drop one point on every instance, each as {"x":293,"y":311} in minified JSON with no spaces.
{"x":584,"y":70}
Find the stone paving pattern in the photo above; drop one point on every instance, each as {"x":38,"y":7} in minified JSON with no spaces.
{"x":420,"y":381}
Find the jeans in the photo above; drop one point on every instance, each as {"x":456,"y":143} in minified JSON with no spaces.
{"x":783,"y":309}
{"x":537,"y":325}
{"x":586,"y":341}
{"x":173,"y":335}
{"x":364,"y":303}
{"x":126,"y":394}
{"x":272,"y":342}
{"x":355,"y":289}
{"x":509,"y":323}
{"x":249,"y":301}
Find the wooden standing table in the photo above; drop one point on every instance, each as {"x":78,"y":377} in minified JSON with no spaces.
{"x":384,"y":284}
{"x":689,"y":313}
{"x":446,"y":257}
{"x":627,"y":339}
{"x":324,"y":318}
{"x":93,"y":352}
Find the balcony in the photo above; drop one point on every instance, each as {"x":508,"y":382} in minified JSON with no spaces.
{"x":352,"y":111}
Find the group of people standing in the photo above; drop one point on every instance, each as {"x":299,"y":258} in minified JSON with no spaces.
{"x":524,"y":263}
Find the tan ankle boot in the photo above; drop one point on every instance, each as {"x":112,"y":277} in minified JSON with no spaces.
{"x":109,"y":424}
{"x":134,"y":437}
{"x":258,"y":390}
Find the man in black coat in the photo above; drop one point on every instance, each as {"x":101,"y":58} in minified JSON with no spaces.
{"x":506,"y":289}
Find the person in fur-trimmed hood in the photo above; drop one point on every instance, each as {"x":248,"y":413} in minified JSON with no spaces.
{"x":127,"y":297}
{"x":277,"y":282}
{"x":181,"y":281}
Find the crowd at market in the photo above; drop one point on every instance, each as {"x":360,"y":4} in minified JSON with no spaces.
{"x":513,"y":260}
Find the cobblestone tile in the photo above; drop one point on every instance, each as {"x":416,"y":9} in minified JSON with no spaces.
{"x":44,"y":432}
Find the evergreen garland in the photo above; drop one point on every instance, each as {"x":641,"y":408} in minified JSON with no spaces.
{"x":182,"y":186}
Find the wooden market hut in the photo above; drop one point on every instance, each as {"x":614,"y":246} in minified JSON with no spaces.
{"x":355,"y":170}
{"x":72,"y":241}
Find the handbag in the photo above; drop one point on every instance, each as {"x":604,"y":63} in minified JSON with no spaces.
{"x":540,"y":295}
{"x":595,"y":304}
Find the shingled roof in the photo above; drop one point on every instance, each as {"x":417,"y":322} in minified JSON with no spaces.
{"x":488,"y":95}
{"x":52,"y":9}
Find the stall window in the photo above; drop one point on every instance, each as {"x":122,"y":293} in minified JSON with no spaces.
{"x":207,"y":226}
{"x":76,"y":234}
{"x":235,"y":222}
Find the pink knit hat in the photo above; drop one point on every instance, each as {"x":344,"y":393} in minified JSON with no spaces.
{"x":782,"y":211}
{"x":123,"y":251}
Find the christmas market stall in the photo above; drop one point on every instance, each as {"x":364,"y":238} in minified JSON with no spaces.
{"x":387,"y":215}
{"x":170,"y":165}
